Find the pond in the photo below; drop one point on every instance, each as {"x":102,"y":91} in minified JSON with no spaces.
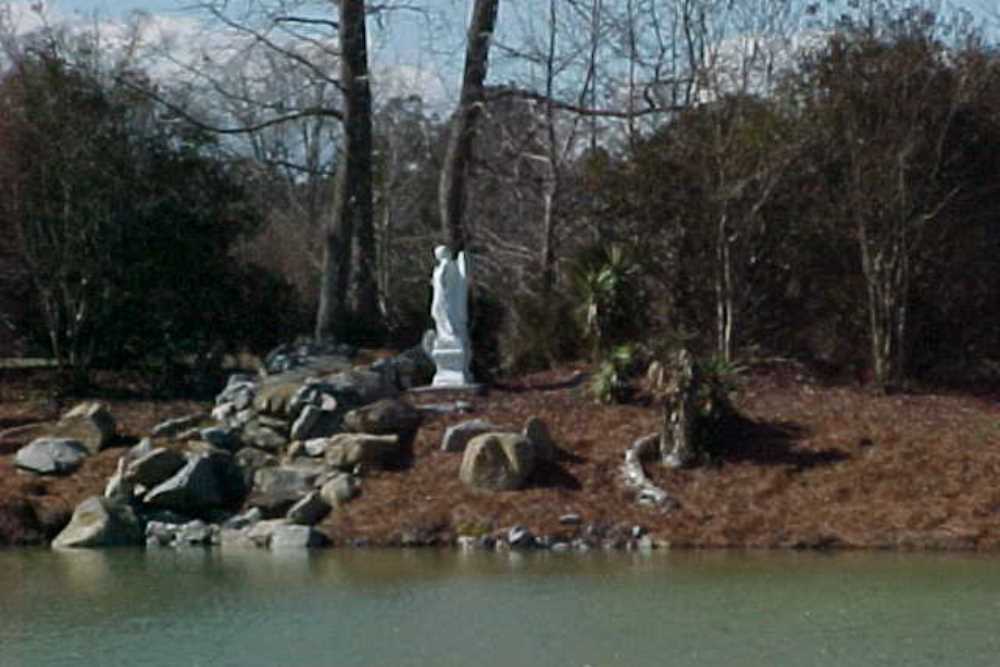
{"x":422,"y":607}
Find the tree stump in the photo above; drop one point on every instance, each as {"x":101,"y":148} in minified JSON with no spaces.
{"x":680,"y":412}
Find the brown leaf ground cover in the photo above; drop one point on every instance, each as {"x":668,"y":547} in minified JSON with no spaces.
{"x":811,"y":466}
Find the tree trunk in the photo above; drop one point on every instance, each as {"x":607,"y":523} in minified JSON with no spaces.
{"x":451,"y":192}
{"x":352,"y":199}
{"x":680,"y":411}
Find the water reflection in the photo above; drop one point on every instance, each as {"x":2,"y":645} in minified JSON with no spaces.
{"x":426,"y":607}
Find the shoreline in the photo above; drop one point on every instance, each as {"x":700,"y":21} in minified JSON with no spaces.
{"x":826,"y":467}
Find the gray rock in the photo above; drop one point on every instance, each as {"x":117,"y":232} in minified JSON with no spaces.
{"x":249,"y":460}
{"x":91,"y":423}
{"x":497,"y":462}
{"x":261,"y":532}
{"x":99,"y":523}
{"x":223,"y":437}
{"x":155,"y":467}
{"x":172,"y":427}
{"x":457,"y":436}
{"x":275,"y":490}
{"x":383,"y":417}
{"x":537,"y":432}
{"x":340,"y":489}
{"x":309,"y":511}
{"x":347,"y":450}
{"x":118,"y":489}
{"x":316,"y":422}
{"x":51,"y":456}
{"x":297,"y":537}
{"x":243,"y":520}
{"x":520,"y":537}
{"x":361,"y":387}
{"x":195,"y":533}
{"x":316,"y":447}
{"x":570,"y":520}
{"x":263,"y":437}
{"x":193,"y":489}
{"x":274,"y":396}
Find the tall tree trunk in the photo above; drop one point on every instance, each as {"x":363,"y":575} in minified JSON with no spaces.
{"x":451,"y":191}
{"x":352,"y":198}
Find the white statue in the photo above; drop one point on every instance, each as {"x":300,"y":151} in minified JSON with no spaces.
{"x":450,"y":309}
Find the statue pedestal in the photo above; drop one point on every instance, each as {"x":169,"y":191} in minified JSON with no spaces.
{"x":452,"y":367}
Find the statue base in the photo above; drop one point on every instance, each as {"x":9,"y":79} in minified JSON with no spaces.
{"x":452,"y":367}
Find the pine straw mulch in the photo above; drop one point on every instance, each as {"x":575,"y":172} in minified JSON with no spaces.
{"x":813,"y":466}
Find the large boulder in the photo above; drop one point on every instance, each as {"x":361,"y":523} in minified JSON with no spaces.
{"x":154,"y":468}
{"x":275,"y":490}
{"x":51,"y":456}
{"x":91,"y":423}
{"x":497,"y":462}
{"x":383,"y":417}
{"x":457,"y":436}
{"x":412,"y":368}
{"x":194,"y":489}
{"x":347,"y":450}
{"x":97,"y":522}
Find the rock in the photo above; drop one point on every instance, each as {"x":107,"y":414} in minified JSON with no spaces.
{"x":497,"y":462}
{"x":223,"y":437}
{"x":519,"y":537}
{"x":51,"y":456}
{"x":383,"y":417}
{"x":99,"y":523}
{"x":232,"y":483}
{"x":243,"y":520}
{"x":249,"y":460}
{"x":91,"y":423}
{"x":118,"y":489}
{"x":309,"y":511}
{"x":317,"y":357}
{"x":570,"y":520}
{"x":275,"y":490}
{"x":297,"y":537}
{"x":340,"y":489}
{"x":193,"y":489}
{"x":411,"y":368}
{"x":316,"y":447}
{"x":172,"y":427}
{"x":537,"y":432}
{"x":196,"y":533}
{"x":261,"y":532}
{"x":274,"y":396}
{"x":346,"y":450}
{"x":239,"y":392}
{"x":263,"y":437}
{"x":315,"y":422}
{"x":190,"y":533}
{"x":154,"y":468}
{"x":457,"y":436}
{"x":360,"y":387}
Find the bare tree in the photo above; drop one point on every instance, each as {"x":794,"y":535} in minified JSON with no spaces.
{"x":451,"y":195}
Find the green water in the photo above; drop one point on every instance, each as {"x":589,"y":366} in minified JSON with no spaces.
{"x":345,"y":608}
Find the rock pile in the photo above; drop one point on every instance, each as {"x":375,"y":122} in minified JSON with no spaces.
{"x":287,"y":446}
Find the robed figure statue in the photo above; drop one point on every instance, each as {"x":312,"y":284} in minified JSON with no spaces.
{"x":450,"y":309}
